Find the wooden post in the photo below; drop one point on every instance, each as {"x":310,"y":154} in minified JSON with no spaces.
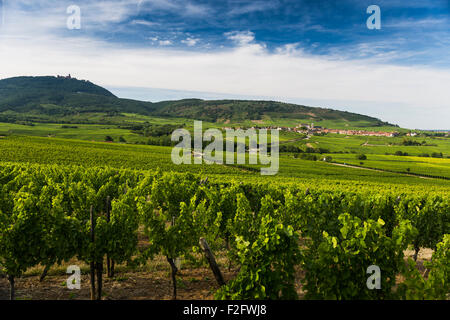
{"x":112,"y":268}
{"x":108,"y":219}
{"x":92,"y":264}
{"x":99,"y":267}
{"x":174,"y":277}
{"x":212,"y":261}
{"x":427,"y":271}
{"x":416,"y":251}
{"x":12,"y":291}
{"x":44,"y":273}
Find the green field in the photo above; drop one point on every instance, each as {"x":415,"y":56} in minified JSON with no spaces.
{"x":313,"y":173}
{"x":375,"y":145}
{"x":418,"y":165}
{"x":84,"y":144}
{"x":92,"y":132}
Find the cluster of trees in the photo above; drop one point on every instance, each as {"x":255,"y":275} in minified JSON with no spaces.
{"x":25,"y":123}
{"x":296,"y":149}
{"x":410,"y":142}
{"x":306,"y":156}
{"x":159,"y":130}
{"x":111,"y":139}
{"x":290,"y":148}
{"x":401,"y":153}
{"x":161,"y":141}
{"x":158,"y":135}
{"x":433,"y":155}
{"x":435,"y":134}
{"x":361,"y":157}
{"x":437,"y":155}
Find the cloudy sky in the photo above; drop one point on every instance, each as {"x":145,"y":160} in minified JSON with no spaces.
{"x":311,"y":52}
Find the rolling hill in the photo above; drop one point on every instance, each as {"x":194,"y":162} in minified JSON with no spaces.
{"x":48,"y":98}
{"x":57,"y":96}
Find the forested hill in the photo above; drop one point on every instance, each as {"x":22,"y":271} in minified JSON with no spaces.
{"x":29,"y":97}
{"x":56,"y":96}
{"x":48,"y":86}
{"x":240,"y":110}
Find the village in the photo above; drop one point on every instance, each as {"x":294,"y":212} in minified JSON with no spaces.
{"x":311,"y":129}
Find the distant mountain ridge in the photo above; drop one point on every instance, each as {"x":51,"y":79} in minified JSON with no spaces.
{"x":65,"y":96}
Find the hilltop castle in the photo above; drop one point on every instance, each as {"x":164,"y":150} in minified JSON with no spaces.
{"x":64,"y":77}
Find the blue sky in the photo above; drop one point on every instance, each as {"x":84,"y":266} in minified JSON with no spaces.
{"x":306,"y":51}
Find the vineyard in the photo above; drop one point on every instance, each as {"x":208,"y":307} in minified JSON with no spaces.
{"x":51,"y":214}
{"x":40,"y":150}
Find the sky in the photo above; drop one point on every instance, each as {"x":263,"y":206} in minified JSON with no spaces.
{"x":310,"y":52}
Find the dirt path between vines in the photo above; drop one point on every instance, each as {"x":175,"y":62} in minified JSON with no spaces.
{"x":194,"y":282}
{"x":379,"y":170}
{"x":366,"y":144}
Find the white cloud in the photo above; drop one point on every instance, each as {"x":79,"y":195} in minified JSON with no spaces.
{"x":242,"y":38}
{"x":165,"y":42}
{"x":413,"y":23}
{"x":180,"y":7}
{"x":196,"y":10}
{"x":159,"y":4}
{"x":253,"y":7}
{"x":190,"y":41}
{"x":145,"y":23}
{"x":290,"y":49}
{"x":101,"y":12}
{"x":32,"y":18}
{"x":48,"y":16}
